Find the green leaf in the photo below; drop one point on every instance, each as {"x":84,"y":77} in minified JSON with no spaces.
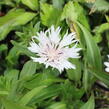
{"x":67,"y":94}
{"x":4,"y":93}
{"x":69,"y":12}
{"x":58,"y":3}
{"x":107,"y":18}
{"x":59,"y":105}
{"x":89,"y":104}
{"x":46,"y":78}
{"x":102,"y":76}
{"x":97,"y":37}
{"x":32,"y":4}
{"x":72,"y":12}
{"x":11,"y":76}
{"x":8,"y":104}
{"x":101,"y":28}
{"x":87,"y":80}
{"x":101,"y":5}
{"x":3,"y":47}
{"x":7,"y":2}
{"x":12,"y":19}
{"x":75,"y":74}
{"x":34,"y":92}
{"x":12,"y":56}
{"x":49,"y":15}
{"x":29,"y":69}
{"x":22,"y":49}
{"x":90,"y":1}
{"x":51,"y":91}
{"x":93,"y":52}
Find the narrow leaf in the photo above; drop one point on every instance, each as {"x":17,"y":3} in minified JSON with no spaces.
{"x":34,"y":92}
{"x":32,"y":4}
{"x":89,"y":104}
{"x":8,"y":104}
{"x":29,"y":69}
{"x":12,"y":19}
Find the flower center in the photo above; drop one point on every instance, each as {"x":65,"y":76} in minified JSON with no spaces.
{"x":53,"y":54}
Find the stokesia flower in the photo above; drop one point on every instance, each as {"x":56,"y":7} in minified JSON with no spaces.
{"x":107,"y":65}
{"x":54,"y":51}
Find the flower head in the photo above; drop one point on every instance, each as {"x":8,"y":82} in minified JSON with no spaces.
{"x":54,"y":51}
{"x":107,"y":65}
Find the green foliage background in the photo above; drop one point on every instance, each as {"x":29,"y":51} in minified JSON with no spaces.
{"x":28,"y":85}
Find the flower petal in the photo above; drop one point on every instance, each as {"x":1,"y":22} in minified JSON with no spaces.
{"x":34,"y":47}
{"x":106,"y":64}
{"x":107,"y":69}
{"x":40,"y":60}
{"x":67,"y":39}
{"x":54,"y":34}
{"x":42,"y":38}
{"x":65,"y":65}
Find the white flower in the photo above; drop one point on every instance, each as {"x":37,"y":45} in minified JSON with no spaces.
{"x":54,"y":51}
{"x":107,"y":65}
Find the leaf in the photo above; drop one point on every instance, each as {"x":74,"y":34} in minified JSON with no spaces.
{"x":46,"y":78}
{"x":90,"y":1}
{"x":7,"y":2}
{"x":29,"y":69}
{"x":49,"y":15}
{"x":22,"y":49}
{"x":93,"y":52}
{"x":72,"y":12}
{"x":97,"y":37}
{"x":12,"y":19}
{"x":69,"y":12}
{"x":107,"y":18}
{"x":89,"y":104}
{"x":32,"y":4}
{"x":8,"y":104}
{"x":67,"y":94}
{"x":75,"y":74}
{"x":3,"y":47}
{"x":58,"y":3}
{"x":11,"y":76}
{"x":58,"y":105}
{"x":12,"y":56}
{"x":3,"y":93}
{"x":102,"y":76}
{"x":51,"y":91}
{"x":34,"y":92}
{"x":101,"y":5}
{"x":87,"y":80}
{"x":101,"y":28}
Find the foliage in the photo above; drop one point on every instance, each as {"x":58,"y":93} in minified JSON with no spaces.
{"x":25,"y":84}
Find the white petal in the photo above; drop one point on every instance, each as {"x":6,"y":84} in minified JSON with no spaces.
{"x":107,"y":69}
{"x":54,"y":34}
{"x":65,"y":64}
{"x":34,"y":47}
{"x":106,"y":64}
{"x":108,"y":56}
{"x":67,"y":39}
{"x":40,"y":60}
{"x":43,"y":39}
{"x":60,"y":69}
{"x":68,"y":65}
{"x":71,"y":52}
